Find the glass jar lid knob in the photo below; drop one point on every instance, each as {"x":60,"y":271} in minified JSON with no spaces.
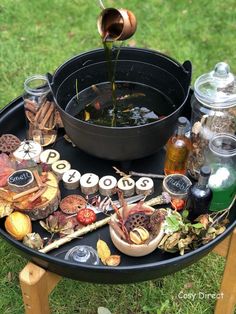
{"x":217,"y":89}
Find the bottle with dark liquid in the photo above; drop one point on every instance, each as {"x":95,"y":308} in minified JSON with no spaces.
{"x":199,"y":195}
{"x":177,"y":150}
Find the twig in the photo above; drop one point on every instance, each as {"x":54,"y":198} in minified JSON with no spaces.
{"x":121,"y":173}
{"x":101,"y":5}
{"x":150,"y":175}
{"x":75,"y":234}
{"x":224,"y":212}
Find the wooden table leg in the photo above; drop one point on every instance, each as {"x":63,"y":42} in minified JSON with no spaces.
{"x":226,"y":303}
{"x":36,"y":285}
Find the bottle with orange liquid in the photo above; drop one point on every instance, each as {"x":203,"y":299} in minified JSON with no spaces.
{"x":177,"y":150}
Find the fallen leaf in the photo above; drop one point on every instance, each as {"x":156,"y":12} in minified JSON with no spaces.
{"x":103,"y":251}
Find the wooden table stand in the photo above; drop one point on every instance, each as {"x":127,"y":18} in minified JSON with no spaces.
{"x":37,"y":283}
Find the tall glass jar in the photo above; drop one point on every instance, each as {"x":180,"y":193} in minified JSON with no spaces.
{"x":221,"y":157}
{"x":213,"y":111}
{"x":40,"y":110}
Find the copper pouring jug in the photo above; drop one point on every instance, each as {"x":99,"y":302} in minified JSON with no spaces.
{"x":116,"y":24}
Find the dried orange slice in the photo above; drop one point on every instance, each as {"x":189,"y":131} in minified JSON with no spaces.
{"x":71,"y":204}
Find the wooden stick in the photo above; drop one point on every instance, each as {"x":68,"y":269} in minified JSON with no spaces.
{"x":38,"y":194}
{"x":19,"y":195}
{"x":76,"y":234}
{"x":37,"y":178}
{"x":150,"y":175}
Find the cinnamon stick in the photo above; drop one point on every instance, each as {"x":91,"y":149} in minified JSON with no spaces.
{"x":38,"y":194}
{"x":19,"y":195}
{"x":42,"y":111}
{"x":30,"y":106}
{"x":46,"y":117}
{"x":37,"y":178}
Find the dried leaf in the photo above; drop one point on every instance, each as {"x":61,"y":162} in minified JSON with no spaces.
{"x":6,"y":208}
{"x":113,"y":260}
{"x":103,"y":251}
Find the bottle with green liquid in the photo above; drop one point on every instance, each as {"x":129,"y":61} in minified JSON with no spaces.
{"x":221,"y":156}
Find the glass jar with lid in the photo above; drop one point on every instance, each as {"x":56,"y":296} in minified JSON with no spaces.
{"x":221,"y":157}
{"x":213,"y":111}
{"x":40,"y":110}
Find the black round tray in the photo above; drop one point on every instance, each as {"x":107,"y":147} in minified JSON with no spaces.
{"x":131,"y":269}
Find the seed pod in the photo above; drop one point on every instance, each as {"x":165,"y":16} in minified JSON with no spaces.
{"x":33,"y":240}
{"x":139,"y":235}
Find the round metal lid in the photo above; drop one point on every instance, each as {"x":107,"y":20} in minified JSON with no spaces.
{"x":217,"y":89}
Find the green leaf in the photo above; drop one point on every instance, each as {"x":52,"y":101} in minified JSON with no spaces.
{"x":172,"y":223}
{"x":185,"y":213}
{"x":198,"y":225}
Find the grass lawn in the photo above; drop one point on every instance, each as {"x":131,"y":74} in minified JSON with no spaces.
{"x":36,"y":37}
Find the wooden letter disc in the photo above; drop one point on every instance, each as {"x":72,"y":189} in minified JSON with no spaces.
{"x":59,"y":167}
{"x":107,"y":185}
{"x":127,"y":186}
{"x":145,"y":186}
{"x":49,"y":156}
{"x":28,"y":150}
{"x":89,"y":183}
{"x":71,"y":179}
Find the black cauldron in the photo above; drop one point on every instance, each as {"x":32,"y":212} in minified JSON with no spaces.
{"x":143,"y":66}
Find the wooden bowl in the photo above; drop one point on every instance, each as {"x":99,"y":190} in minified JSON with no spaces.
{"x":135,"y":249}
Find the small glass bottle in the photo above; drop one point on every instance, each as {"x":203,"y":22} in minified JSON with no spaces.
{"x":199,"y":195}
{"x":40,"y":110}
{"x":221,"y":156}
{"x":177,"y":150}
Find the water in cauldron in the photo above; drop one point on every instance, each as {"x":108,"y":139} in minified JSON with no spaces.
{"x":136,"y":104}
